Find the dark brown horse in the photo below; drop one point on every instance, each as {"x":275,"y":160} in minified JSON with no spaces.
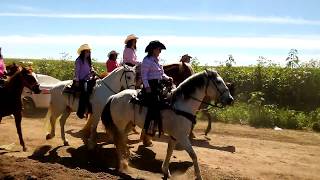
{"x":10,"y":96}
{"x":12,"y":69}
{"x":178,"y":71}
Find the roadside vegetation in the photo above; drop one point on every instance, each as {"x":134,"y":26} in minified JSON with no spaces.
{"x":267,"y":94}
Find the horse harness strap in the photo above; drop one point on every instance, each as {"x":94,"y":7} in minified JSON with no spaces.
{"x":207,"y":103}
{"x":108,"y":87}
{"x":187,"y":115}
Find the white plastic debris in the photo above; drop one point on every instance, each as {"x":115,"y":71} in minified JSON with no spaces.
{"x":277,"y":128}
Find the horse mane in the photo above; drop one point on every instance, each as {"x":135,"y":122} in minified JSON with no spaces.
{"x":191,"y":84}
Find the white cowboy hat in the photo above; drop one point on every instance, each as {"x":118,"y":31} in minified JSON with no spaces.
{"x":83,"y":47}
{"x":130,"y":37}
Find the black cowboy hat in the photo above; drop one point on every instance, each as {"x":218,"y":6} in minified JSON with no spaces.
{"x":153,"y":45}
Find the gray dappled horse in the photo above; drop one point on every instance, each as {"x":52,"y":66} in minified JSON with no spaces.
{"x":176,"y":120}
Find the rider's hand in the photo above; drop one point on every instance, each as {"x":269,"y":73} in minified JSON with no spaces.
{"x":76,"y":83}
{"x":148,"y":89}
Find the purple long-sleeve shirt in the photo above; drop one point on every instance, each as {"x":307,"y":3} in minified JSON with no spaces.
{"x":2,"y":67}
{"x":83,"y":70}
{"x":151,"y":69}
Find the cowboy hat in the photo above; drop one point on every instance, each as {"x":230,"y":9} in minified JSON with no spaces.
{"x":112,"y":52}
{"x":83,"y":47}
{"x":186,"y":56}
{"x":153,"y":45}
{"x":130,"y":37}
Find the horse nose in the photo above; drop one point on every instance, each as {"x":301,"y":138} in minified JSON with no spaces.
{"x":36,"y":89}
{"x":230,"y":100}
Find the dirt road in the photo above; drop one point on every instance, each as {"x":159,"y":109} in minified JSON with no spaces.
{"x":233,"y":152}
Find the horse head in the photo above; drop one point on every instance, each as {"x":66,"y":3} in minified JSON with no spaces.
{"x":217,"y":88}
{"x":30,"y":81}
{"x":12,"y":69}
{"x":128,"y":77}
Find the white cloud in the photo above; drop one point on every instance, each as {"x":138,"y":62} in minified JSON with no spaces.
{"x":311,"y":43}
{"x":215,"y":18}
{"x":209,"y":50}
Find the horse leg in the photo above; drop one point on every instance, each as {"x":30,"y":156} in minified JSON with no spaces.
{"x":120,"y":141}
{"x":209,"y":122}
{"x":18,"y":118}
{"x":165,"y":164}
{"x":52,"y":127}
{"x":86,"y":128}
{"x":63,"y":120}
{"x":94,"y":118}
{"x":185,"y":143}
{"x":191,"y":135}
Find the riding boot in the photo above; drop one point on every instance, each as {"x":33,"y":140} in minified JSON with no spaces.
{"x":81,"y":108}
{"x":82,"y":104}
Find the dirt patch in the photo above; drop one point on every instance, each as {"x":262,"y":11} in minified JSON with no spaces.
{"x":230,"y":152}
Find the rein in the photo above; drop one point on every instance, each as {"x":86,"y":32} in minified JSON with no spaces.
{"x":125,"y":75}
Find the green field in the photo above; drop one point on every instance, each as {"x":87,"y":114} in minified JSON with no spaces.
{"x":267,"y":95}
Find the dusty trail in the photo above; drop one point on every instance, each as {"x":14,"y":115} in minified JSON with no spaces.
{"x":234,"y":152}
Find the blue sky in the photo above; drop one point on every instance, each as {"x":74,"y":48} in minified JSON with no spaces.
{"x":209,"y":30}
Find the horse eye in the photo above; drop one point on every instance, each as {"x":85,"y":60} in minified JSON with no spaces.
{"x":129,"y":78}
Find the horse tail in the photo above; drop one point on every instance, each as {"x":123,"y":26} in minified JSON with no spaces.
{"x":119,"y":138}
{"x":47,"y":124}
{"x":107,"y":121}
{"x":106,"y":115}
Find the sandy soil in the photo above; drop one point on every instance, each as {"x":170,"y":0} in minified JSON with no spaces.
{"x":232,"y":152}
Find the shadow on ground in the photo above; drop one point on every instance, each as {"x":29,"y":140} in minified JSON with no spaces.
{"x":104,"y":160}
{"x":198,"y":143}
{"x":36,"y":113}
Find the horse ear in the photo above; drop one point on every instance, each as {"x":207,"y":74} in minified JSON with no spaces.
{"x":207,"y":72}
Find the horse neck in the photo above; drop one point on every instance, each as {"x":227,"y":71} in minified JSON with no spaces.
{"x":15,"y":84}
{"x":189,"y":104}
{"x":113,"y":80}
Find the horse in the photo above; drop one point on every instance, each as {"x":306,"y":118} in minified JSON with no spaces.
{"x":176,"y":120}
{"x":63,"y":104}
{"x":178,"y":71}
{"x":10,"y":96}
{"x":11,"y":69}
{"x":181,"y":71}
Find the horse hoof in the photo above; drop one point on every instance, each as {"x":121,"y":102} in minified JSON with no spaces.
{"x":123,"y":166}
{"x":166,"y":176}
{"x":192,"y":136}
{"x":147,"y":143}
{"x":49,"y":137}
{"x":91,"y":145}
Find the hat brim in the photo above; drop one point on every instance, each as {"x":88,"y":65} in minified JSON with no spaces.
{"x":153,"y":45}
{"x":130,"y":38}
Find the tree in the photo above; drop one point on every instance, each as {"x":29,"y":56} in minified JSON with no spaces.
{"x":230,"y":61}
{"x":292,"y":59}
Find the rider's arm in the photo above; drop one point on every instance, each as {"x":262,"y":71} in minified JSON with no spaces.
{"x":145,"y":67}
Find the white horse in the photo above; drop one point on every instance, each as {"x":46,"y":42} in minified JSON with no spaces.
{"x":63,"y":104}
{"x":177,"y":120}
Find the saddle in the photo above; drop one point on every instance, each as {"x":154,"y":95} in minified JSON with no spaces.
{"x":153,"y":119}
{"x":83,"y":92}
{"x":71,"y":89}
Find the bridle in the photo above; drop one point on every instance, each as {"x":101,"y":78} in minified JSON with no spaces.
{"x":124,"y":73}
{"x":209,"y":79}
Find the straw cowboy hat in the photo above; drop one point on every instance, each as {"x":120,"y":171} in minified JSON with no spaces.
{"x":153,"y":45}
{"x":185,"y":57}
{"x":130,"y":37}
{"x":112,"y":52}
{"x":83,"y":47}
